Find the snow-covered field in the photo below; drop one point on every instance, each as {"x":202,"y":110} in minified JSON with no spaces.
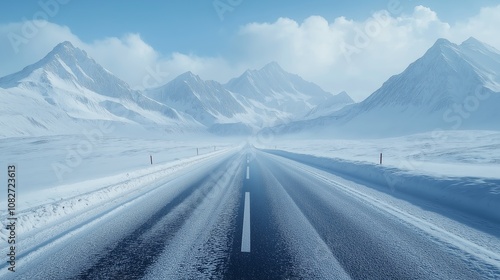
{"x":460,"y":169}
{"x":53,"y":167}
{"x":445,"y":153}
{"x":107,"y":171}
{"x":43,"y":226}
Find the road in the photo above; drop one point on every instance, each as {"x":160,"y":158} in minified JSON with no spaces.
{"x":253,"y":215}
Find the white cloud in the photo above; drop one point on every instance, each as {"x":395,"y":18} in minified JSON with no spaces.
{"x":214,"y":68}
{"x":342,"y":54}
{"x":128,"y":57}
{"x":345,"y":54}
{"x":24,"y":43}
{"x":483,"y":27}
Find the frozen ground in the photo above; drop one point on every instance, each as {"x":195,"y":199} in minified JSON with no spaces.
{"x":460,"y":169}
{"x":107,"y":172}
{"x":450,"y":153}
{"x":53,"y":167}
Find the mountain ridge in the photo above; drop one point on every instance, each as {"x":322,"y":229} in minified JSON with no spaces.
{"x":67,"y":85}
{"x":67,"y":89}
{"x":450,"y":87}
{"x":280,"y":97}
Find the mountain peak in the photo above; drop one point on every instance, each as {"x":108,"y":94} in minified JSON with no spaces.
{"x":442,"y":49}
{"x":445,"y":75}
{"x":272,"y":66}
{"x":65,"y":55}
{"x":65,"y":50}
{"x":188,"y":76}
{"x":64,"y":45}
{"x":344,"y":94}
{"x":73,"y":66}
{"x":472,"y":41}
{"x":474,"y":44}
{"x":442,"y":42}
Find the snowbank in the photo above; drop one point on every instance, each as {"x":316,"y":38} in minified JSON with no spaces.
{"x":477,"y":196}
{"x":58,"y":207}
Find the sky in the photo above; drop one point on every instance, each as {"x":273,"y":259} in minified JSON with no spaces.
{"x":352,"y":46}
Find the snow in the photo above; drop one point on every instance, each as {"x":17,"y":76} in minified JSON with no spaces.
{"x":48,"y":164}
{"x":101,"y":177}
{"x":71,"y":89}
{"x":450,"y":87}
{"x":68,"y":89}
{"x":458,"y":168}
{"x":208,"y":231}
{"x":450,"y":153}
{"x":447,"y":227}
{"x":282,"y":93}
{"x":256,"y":98}
{"x":45,"y":227}
{"x":202,"y":100}
{"x":66,"y":67}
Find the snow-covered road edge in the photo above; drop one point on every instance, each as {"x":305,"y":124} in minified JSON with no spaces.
{"x":113,"y":187}
{"x":477,"y":196}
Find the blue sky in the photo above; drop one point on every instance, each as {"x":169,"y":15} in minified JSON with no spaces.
{"x":195,"y":26}
{"x":181,"y":35}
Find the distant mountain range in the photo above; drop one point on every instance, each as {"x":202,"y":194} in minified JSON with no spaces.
{"x":451,"y":87}
{"x":68,"y":91}
{"x":256,"y":99}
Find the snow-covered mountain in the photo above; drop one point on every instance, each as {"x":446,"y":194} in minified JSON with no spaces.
{"x":206,"y":101}
{"x":450,"y":87}
{"x":256,"y":99}
{"x":72,"y":65}
{"x":67,"y":91}
{"x":285,"y":92}
{"x":330,"y":106}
